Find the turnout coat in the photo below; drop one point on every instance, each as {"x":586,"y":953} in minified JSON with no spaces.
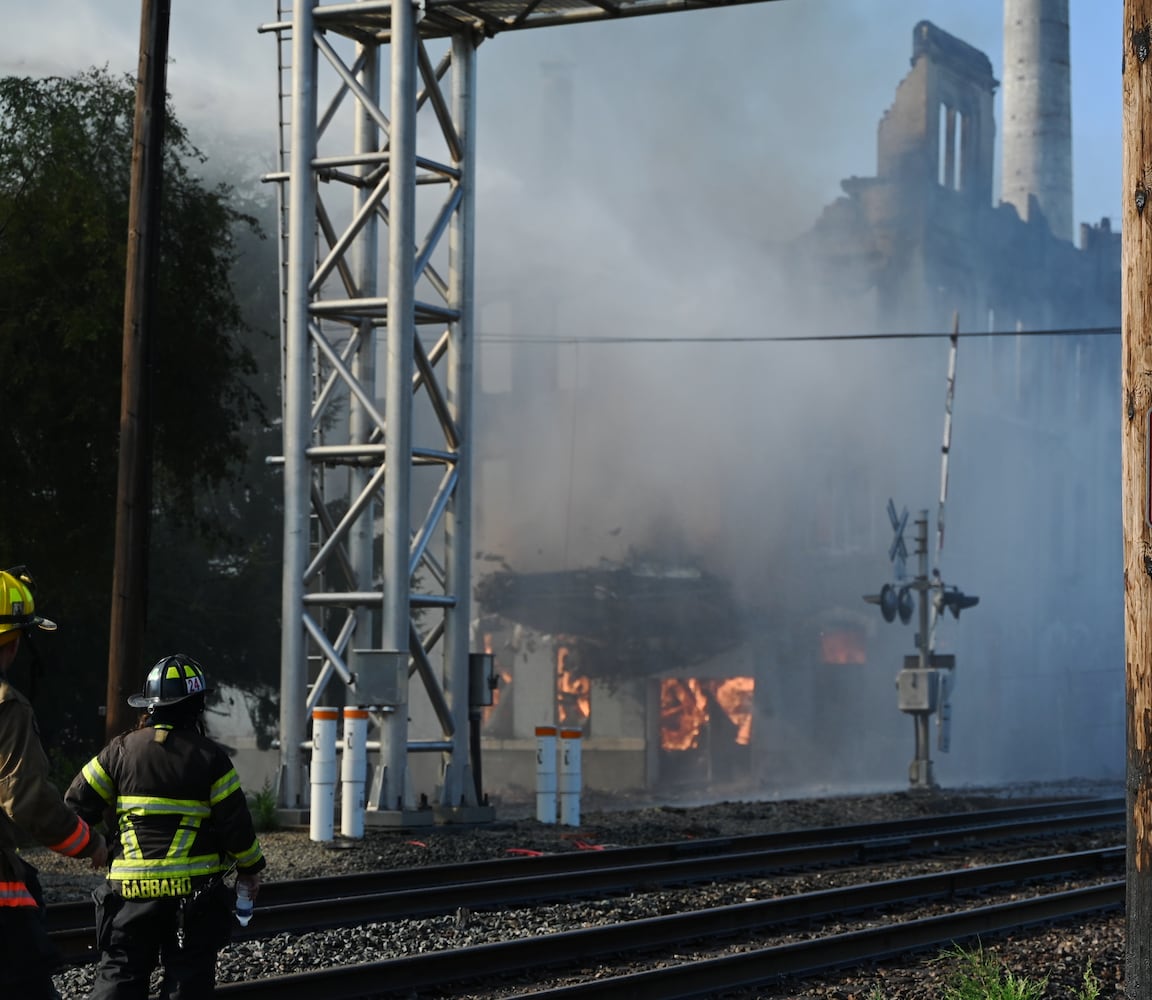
{"x":181,"y":815}
{"x":32,"y":810}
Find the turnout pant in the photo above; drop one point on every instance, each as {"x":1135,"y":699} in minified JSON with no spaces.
{"x":136,"y":936}
{"x":27,"y":955}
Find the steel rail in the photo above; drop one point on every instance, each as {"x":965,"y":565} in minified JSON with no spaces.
{"x":64,"y":916}
{"x":313,"y":904}
{"x":425,"y":972}
{"x":826,"y":954}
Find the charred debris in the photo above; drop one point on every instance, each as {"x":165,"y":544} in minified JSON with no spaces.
{"x":635,"y":618}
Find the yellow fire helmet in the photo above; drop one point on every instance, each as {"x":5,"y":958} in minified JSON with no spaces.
{"x":17,"y":606}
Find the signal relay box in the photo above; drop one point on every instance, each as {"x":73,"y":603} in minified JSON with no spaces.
{"x":918,"y":688}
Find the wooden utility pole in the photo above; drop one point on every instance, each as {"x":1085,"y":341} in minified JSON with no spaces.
{"x":134,"y":483}
{"x":1136,"y":477}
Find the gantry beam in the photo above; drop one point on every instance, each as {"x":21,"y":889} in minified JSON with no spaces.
{"x":370,"y":21}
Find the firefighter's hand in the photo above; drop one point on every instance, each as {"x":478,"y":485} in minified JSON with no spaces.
{"x":100,"y":855}
{"x":253,"y":883}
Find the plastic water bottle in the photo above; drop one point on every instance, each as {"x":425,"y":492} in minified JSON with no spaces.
{"x":243,"y":903}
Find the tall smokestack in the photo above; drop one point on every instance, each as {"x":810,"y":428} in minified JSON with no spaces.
{"x":1037,"y":166}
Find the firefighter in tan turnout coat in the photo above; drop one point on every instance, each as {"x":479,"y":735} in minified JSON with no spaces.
{"x":32,"y":811}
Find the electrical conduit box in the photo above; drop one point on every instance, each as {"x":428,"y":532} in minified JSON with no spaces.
{"x":381,"y":677}
{"x":918,"y":688}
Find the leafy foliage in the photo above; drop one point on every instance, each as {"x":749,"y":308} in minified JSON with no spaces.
{"x":263,"y":807}
{"x":977,"y":975}
{"x":65,"y":167}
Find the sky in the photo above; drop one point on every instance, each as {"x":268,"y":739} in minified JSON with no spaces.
{"x":806,"y":80}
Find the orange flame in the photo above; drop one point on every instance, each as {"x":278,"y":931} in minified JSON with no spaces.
{"x":844,"y":645}
{"x":683,"y":713}
{"x":684,"y":709}
{"x":505,"y":680}
{"x":489,"y":710}
{"x":573,"y":693}
{"x":735,"y":697}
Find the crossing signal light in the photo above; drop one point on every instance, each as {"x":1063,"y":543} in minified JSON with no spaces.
{"x":905,"y":605}
{"x":888,"y":602}
{"x":894,"y":602}
{"x":955,"y":600}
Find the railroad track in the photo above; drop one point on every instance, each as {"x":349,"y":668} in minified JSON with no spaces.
{"x":755,"y":963}
{"x":313,"y":904}
{"x":319,"y":903}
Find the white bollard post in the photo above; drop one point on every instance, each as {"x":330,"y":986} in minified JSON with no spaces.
{"x":353,"y":770}
{"x":323,"y":777}
{"x":546,"y":774}
{"x":570,"y":777}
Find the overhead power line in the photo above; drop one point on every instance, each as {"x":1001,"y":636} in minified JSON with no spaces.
{"x":1094,"y":331}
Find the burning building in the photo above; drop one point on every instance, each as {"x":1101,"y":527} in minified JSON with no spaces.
{"x":754,"y":663}
{"x":642,"y":658}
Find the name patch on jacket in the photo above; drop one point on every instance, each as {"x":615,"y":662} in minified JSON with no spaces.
{"x":154,"y":888}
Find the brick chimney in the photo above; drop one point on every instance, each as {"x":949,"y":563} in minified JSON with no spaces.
{"x":1036,"y":174}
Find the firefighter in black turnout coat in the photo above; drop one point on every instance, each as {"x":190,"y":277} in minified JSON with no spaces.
{"x":182,"y":823}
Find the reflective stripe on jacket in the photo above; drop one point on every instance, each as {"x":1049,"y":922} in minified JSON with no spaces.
{"x":31,"y":807}
{"x":15,"y":894}
{"x":180,"y":810}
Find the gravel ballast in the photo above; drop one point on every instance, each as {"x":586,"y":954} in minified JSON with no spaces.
{"x":1061,"y":954}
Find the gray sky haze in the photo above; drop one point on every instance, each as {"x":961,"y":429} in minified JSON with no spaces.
{"x":799,"y":81}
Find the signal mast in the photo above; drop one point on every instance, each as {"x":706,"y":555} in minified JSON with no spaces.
{"x":925,"y":683}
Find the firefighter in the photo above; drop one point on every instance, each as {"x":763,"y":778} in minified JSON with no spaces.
{"x":31,"y":809}
{"x":182,"y":823}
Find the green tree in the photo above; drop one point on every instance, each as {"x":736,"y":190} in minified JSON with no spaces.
{"x":238,"y":590}
{"x":65,"y":161}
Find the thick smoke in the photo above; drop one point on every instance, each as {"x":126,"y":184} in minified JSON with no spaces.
{"x":647,"y":202}
{"x":639,"y":181}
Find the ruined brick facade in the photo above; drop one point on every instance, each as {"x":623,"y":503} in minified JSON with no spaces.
{"x":923,"y":240}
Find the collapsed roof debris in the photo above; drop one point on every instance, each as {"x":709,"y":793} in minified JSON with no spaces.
{"x":621,"y":620}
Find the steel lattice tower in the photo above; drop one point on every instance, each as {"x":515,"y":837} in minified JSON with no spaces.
{"x":377,"y":265}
